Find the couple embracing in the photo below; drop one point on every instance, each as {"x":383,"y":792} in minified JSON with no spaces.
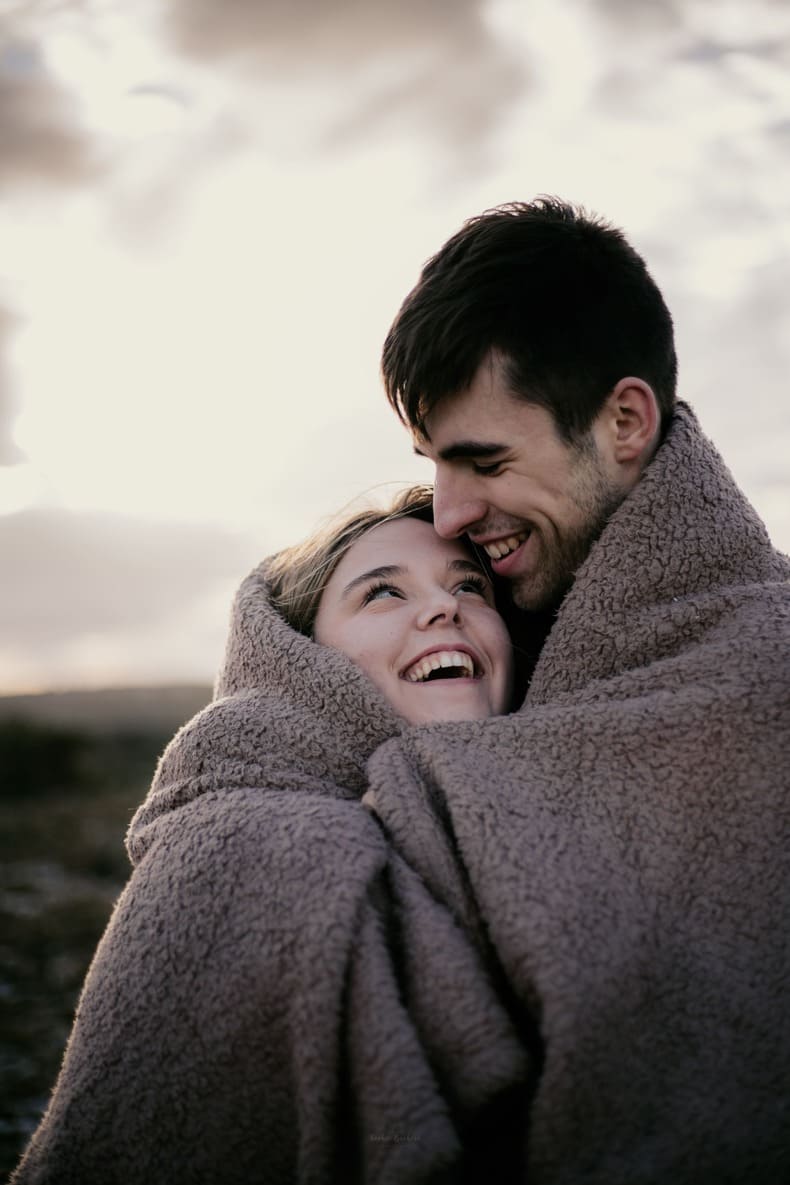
{"x":477,"y":868}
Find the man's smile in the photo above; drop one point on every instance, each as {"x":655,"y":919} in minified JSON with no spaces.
{"x":497,"y":549}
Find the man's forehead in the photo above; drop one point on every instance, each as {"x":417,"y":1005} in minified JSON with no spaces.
{"x":445,"y":422}
{"x":454,"y":438}
{"x":421,"y":443}
{"x":462,"y":414}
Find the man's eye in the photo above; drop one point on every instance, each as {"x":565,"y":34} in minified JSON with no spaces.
{"x":487,"y":470}
{"x":379,"y":592}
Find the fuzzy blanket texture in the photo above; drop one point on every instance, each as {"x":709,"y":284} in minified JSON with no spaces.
{"x":551,"y":947}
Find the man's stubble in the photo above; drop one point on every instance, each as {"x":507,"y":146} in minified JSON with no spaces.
{"x":561,"y":555}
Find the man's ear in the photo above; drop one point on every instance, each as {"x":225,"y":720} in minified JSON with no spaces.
{"x":633,"y":422}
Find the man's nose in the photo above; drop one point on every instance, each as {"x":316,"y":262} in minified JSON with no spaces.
{"x":454,"y":511}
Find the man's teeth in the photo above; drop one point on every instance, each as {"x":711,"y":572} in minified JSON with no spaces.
{"x":502,"y":547}
{"x":419,"y":671}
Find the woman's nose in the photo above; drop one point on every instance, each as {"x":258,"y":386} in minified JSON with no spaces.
{"x":437,"y":608}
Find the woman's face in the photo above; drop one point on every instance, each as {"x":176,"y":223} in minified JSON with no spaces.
{"x":416,"y":613}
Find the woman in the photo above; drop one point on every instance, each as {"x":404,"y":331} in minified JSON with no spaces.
{"x":278,"y":997}
{"x":416,"y":612}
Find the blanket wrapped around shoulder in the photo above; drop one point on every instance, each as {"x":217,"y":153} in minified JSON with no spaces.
{"x":625,"y":841}
{"x":277,"y":997}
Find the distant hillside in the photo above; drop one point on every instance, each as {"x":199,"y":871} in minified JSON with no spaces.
{"x":116,"y":709}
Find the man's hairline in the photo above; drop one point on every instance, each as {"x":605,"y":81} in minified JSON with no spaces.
{"x":495,"y":356}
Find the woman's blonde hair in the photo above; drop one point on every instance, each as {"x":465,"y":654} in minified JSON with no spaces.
{"x":298,"y":575}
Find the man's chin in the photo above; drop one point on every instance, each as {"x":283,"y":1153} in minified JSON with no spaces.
{"x":536,"y":594}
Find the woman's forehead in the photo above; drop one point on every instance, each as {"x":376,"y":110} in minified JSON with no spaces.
{"x":405,"y":543}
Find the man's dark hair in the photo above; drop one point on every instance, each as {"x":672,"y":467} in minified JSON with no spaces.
{"x":557,"y":292}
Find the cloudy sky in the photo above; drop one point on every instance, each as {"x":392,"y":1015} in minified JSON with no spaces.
{"x":210,"y":212}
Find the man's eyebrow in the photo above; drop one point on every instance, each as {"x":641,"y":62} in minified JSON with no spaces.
{"x":465,"y":449}
{"x":381,"y":573}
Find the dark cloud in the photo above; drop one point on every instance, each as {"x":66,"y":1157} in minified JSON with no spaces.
{"x":340,"y":32}
{"x":780,"y":131}
{"x":40,"y":137}
{"x":9,"y":453}
{"x":68,"y":575}
{"x":434,"y":65}
{"x":649,"y":13}
{"x":630,"y":86}
{"x":461,"y":99}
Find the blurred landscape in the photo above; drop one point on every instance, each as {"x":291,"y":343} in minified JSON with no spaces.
{"x":73,"y":768}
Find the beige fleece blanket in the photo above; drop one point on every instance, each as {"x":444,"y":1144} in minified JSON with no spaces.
{"x":277,"y":997}
{"x":561,"y":957}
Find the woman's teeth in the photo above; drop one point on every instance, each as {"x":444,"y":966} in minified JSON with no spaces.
{"x":419,"y":671}
{"x":502,"y":547}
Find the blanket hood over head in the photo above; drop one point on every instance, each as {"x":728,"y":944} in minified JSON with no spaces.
{"x":286,"y":713}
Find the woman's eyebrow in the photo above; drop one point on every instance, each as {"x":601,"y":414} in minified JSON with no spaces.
{"x":373,"y":574}
{"x":469,"y":565}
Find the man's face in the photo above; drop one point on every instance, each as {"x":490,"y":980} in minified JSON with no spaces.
{"x":506,"y":479}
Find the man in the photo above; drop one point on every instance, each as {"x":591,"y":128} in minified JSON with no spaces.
{"x":622,"y":843}
{"x":535,"y":364}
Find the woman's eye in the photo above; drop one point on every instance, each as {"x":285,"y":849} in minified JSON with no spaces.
{"x":474,"y":584}
{"x":379,"y":592}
